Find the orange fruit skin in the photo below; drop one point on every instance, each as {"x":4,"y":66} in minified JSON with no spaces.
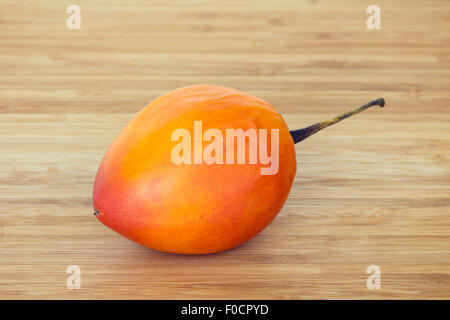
{"x":191,"y":208}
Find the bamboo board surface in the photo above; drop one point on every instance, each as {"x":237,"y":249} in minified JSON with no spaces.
{"x":374,"y":190}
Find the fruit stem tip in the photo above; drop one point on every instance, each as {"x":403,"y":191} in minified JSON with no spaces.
{"x":379,"y":102}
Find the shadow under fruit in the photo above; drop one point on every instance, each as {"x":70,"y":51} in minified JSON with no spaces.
{"x":195,"y":208}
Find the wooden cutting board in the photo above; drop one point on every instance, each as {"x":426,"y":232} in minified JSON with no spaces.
{"x":374,"y":190}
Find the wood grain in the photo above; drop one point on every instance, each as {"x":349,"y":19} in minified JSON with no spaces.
{"x":374,"y":190}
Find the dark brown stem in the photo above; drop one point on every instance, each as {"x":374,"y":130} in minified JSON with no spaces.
{"x":301,"y":134}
